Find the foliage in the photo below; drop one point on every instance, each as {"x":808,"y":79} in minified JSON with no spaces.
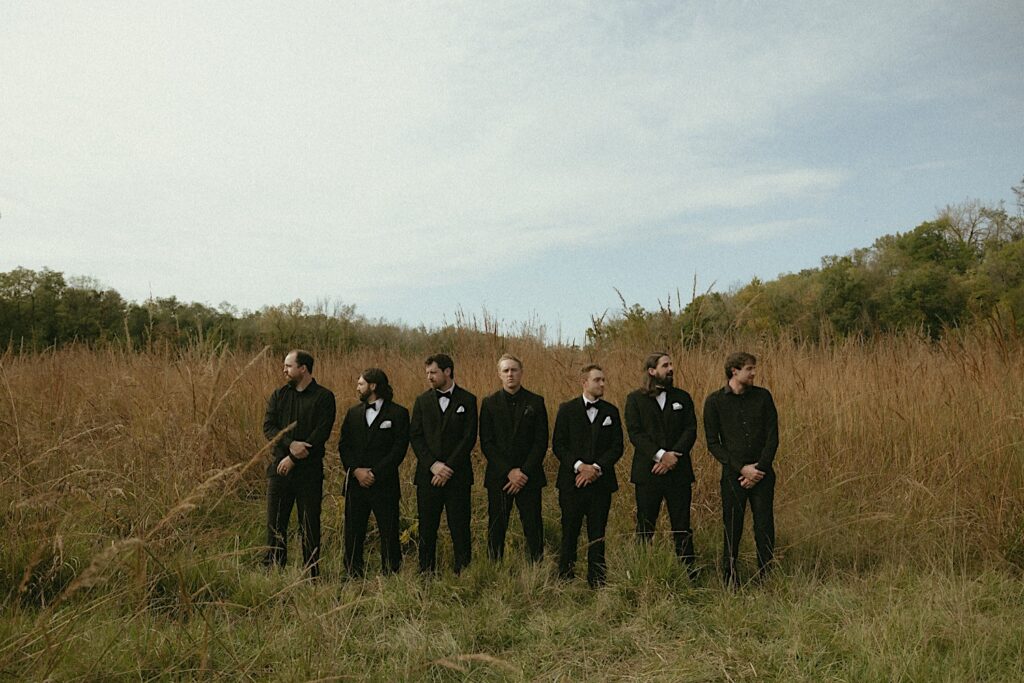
{"x":966,"y":265}
{"x":43,"y":309}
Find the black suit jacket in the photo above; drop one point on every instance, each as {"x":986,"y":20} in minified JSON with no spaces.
{"x":514,"y":438}
{"x":448,"y":437}
{"x":380,"y":446}
{"x":575,"y":438}
{"x":651,"y":429}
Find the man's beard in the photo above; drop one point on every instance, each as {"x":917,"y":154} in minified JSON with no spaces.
{"x":666,"y":381}
{"x":293,"y":382}
{"x":364,"y":395}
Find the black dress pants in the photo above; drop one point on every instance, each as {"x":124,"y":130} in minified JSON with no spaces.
{"x":734,"y":502}
{"x":382,"y":500}
{"x":499,"y":508}
{"x":677,"y":499}
{"x":592,"y":504}
{"x":302,"y":489}
{"x":455,"y":501}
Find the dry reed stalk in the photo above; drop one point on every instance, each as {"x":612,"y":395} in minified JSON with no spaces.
{"x":904,"y":447}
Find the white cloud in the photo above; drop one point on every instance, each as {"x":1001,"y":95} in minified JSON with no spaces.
{"x":193,"y":141}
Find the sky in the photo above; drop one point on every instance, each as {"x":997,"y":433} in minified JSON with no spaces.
{"x":528,"y":159}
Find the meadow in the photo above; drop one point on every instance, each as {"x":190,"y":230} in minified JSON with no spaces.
{"x":132,"y":489}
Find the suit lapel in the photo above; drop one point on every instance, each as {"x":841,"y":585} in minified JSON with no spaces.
{"x":432,"y":416}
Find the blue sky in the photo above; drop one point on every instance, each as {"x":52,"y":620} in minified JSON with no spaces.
{"x":418,"y":159}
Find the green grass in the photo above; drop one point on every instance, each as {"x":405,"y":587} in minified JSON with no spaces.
{"x":222,"y":617}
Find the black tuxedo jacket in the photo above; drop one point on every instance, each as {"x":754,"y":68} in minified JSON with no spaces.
{"x":514,"y":438}
{"x":448,"y":437}
{"x":381,"y":446}
{"x":575,"y":438}
{"x":651,"y":429}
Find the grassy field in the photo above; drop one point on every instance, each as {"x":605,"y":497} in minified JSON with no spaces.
{"x":132,"y":490}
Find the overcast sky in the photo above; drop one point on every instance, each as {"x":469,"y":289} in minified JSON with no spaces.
{"x":419,"y":158}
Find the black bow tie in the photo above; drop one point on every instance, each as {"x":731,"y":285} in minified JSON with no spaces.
{"x":371,"y":406}
{"x":443,"y":394}
{"x":587,"y":405}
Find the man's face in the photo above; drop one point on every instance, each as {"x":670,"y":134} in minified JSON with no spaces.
{"x":593,"y":383}
{"x":745,"y":375}
{"x":438,"y":378}
{"x":511,"y":375}
{"x":293,"y":373}
{"x":662,"y":373}
{"x":364,"y":389}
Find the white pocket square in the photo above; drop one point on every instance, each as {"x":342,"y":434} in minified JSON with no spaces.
{"x":607,"y":421}
{"x":461,"y":409}
{"x":677,"y":406}
{"x":386,"y":424}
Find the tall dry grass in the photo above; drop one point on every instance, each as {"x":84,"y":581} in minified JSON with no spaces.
{"x":133,"y":480}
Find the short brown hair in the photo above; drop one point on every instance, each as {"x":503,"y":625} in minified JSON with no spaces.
{"x":587,"y":368}
{"x":303,"y":358}
{"x":444,"y":362}
{"x":736,"y":361}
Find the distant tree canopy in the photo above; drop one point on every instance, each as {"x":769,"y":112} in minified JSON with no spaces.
{"x":44,"y":309}
{"x":966,"y":265}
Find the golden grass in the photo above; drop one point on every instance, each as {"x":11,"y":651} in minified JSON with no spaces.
{"x":128,"y":475}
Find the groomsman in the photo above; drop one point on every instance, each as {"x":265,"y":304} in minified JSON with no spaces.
{"x":373,"y":443}
{"x":514,"y":440}
{"x":295,"y":476}
{"x":587,"y":442}
{"x":662,"y":427}
{"x":443,"y":433}
{"x":742,"y":427}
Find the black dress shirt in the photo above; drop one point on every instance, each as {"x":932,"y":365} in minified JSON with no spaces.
{"x":313,"y":411}
{"x":742,"y":429}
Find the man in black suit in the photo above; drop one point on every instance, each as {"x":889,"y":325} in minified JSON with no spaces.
{"x":373,"y":442}
{"x":442,"y":434}
{"x":303,"y":413}
{"x":662,"y":427}
{"x":742,"y":428}
{"x":514,"y":440}
{"x":587,"y":442}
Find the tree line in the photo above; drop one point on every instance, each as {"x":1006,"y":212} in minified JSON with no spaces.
{"x":965,"y":265}
{"x":43,"y":309}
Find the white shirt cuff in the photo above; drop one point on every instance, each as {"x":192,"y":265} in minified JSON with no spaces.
{"x":659,"y":455}
{"x":576,"y":466}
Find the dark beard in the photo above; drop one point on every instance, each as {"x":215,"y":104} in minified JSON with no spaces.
{"x":666,"y":382}
{"x":363,"y":397}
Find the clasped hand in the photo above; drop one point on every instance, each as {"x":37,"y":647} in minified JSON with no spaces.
{"x":442,"y":473}
{"x":586,"y":475}
{"x":516,"y":481}
{"x":749,"y":476}
{"x":668,"y":462}
{"x":364,"y":475}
